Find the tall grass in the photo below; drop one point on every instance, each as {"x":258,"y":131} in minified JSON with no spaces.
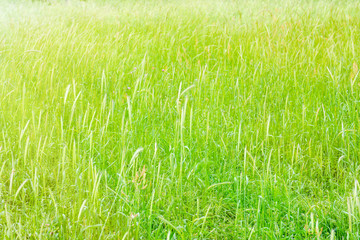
{"x":179,"y":120}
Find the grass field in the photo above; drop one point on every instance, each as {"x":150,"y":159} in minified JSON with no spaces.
{"x":179,"y":119}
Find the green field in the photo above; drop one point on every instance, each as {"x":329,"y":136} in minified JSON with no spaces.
{"x":179,"y":119}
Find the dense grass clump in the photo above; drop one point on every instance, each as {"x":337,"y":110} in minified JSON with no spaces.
{"x":179,"y":119}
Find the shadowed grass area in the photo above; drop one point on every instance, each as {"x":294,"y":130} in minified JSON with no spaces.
{"x":190,"y":120}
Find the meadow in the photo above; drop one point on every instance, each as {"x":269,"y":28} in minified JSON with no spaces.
{"x":179,"y":119}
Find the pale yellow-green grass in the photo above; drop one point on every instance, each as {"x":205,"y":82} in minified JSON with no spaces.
{"x":179,"y":119}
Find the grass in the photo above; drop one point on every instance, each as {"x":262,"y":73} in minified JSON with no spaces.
{"x":179,"y":120}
